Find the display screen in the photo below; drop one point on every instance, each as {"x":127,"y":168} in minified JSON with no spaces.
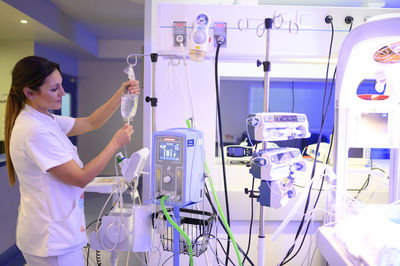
{"x":285,"y":118}
{"x":169,"y":151}
{"x":239,"y":151}
{"x":284,"y":156}
{"x":374,"y":123}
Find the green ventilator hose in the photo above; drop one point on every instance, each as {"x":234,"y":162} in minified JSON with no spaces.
{"x":218,"y":206}
{"x":188,"y":124}
{"x":189,"y":243}
{"x":222,"y":214}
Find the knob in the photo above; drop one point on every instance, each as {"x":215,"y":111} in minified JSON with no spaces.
{"x":167,"y":179}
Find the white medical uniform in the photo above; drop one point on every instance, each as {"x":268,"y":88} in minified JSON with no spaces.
{"x":51,"y":218}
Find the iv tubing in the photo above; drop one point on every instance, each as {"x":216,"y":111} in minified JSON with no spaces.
{"x":222,"y":214}
{"x":188,"y":84}
{"x":189,"y":243}
{"x":292,"y":212}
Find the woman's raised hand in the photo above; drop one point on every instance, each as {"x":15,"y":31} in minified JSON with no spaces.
{"x":132,"y":86}
{"x":123,"y":135}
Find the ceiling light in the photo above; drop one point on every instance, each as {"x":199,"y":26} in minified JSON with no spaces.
{"x":23,"y":21}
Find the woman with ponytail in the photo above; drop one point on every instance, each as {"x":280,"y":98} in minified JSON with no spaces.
{"x":51,"y":177}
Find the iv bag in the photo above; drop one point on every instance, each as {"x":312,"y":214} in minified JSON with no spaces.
{"x":129,"y":101}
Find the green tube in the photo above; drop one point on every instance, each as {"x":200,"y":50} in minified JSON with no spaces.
{"x":222,"y":214}
{"x":189,"y":243}
{"x":219,"y":207}
{"x":188,"y":123}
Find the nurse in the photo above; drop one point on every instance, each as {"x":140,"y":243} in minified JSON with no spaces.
{"x":51,"y":222}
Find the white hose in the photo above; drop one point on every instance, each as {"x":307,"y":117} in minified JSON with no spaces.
{"x":189,"y":85}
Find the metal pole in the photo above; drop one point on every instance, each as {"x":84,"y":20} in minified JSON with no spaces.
{"x":153,"y":58}
{"x":266,"y":64}
{"x":176,"y":237}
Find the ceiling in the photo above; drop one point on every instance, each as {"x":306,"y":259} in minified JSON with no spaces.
{"x":107,"y":19}
{"x":59,"y":23}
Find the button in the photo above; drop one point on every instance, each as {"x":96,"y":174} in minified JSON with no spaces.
{"x":167,"y":179}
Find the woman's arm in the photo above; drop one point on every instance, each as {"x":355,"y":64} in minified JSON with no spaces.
{"x":101,"y":115}
{"x":71,"y":173}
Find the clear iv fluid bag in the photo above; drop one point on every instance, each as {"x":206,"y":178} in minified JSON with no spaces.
{"x":129,"y":101}
{"x":129,"y":104}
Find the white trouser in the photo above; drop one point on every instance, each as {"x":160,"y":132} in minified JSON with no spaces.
{"x":74,"y":258}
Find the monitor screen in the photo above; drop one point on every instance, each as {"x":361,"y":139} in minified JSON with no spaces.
{"x":169,"y":151}
{"x":374,"y":123}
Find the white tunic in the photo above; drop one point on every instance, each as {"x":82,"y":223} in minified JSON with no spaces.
{"x":51,"y":218}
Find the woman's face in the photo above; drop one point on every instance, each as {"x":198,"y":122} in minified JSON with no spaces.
{"x":50,"y":93}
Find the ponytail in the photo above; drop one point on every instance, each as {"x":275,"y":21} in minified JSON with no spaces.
{"x":30,"y":71}
{"x":14,"y":105}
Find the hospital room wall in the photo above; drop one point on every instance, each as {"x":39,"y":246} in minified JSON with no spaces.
{"x":10,"y":52}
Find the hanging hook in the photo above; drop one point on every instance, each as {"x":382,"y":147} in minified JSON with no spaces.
{"x":127,"y":59}
{"x":247,"y":24}
{"x":296,"y":27}
{"x":278,"y":21}
{"x":172,"y":60}
{"x":261,"y":28}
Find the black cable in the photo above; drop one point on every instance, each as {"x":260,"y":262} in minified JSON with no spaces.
{"x":286,"y":260}
{"x":316,"y":201}
{"x":366,"y":182}
{"x":167,"y":259}
{"x":324,"y":114}
{"x":251,"y":223}
{"x":327,"y":69}
{"x":364,"y":186}
{"x":207,"y":193}
{"x":323,"y":179}
{"x":87,"y":255}
{"x":292,"y":96}
{"x":222,"y":148}
{"x":222,"y":247}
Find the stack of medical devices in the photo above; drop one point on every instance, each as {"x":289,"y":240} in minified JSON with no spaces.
{"x":275,"y":167}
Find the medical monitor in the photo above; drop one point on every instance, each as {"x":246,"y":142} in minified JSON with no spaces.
{"x":373,"y":129}
{"x":169,"y":151}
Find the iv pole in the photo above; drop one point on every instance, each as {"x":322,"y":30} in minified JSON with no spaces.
{"x":267,"y":67}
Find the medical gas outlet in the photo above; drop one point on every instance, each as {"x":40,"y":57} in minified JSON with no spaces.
{"x":199,"y":39}
{"x":179,"y":33}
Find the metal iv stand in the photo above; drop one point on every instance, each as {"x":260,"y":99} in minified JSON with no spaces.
{"x":267,"y":67}
{"x":153,"y":102}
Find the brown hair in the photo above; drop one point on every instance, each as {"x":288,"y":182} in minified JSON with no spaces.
{"x":30,"y":71}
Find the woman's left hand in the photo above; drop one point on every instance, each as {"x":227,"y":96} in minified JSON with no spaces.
{"x":132,"y":86}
